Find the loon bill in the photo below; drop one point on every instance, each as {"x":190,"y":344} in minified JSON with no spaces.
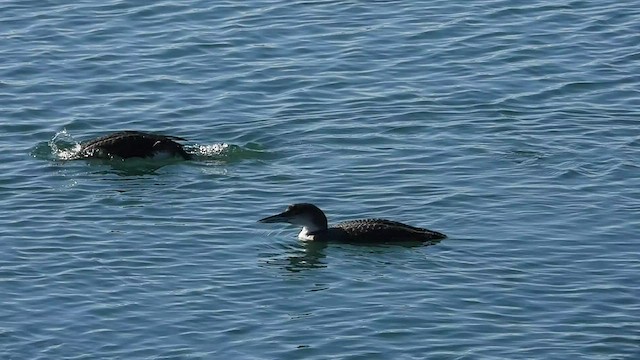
{"x":133,"y":144}
{"x":315,"y":227}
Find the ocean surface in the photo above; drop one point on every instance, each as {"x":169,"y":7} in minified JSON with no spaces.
{"x":511,"y":126}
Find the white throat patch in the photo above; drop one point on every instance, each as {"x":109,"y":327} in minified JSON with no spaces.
{"x":304,"y":235}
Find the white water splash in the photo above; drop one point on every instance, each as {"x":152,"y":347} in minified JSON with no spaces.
{"x":210,"y":150}
{"x":64,"y":146}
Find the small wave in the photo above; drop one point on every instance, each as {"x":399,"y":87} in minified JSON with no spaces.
{"x":524,"y":156}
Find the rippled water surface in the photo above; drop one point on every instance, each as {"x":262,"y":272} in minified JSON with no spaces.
{"x":511,"y":126}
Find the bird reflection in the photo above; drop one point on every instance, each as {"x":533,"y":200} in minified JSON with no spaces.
{"x":299,"y":256}
{"x":309,"y":256}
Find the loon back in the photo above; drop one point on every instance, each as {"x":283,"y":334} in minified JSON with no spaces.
{"x":131,"y":144}
{"x":381,"y":231}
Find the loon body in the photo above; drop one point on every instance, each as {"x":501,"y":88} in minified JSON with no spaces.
{"x":133,"y":144}
{"x":315,"y":227}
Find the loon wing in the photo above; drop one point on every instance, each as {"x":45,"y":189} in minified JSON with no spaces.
{"x":382,"y":230}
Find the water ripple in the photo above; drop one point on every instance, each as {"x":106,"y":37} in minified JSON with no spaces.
{"x":510,"y":126}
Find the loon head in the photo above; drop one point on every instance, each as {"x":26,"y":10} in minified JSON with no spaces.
{"x":309,"y":216}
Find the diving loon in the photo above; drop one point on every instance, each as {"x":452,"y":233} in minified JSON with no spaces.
{"x":315,"y":227}
{"x":132,"y":144}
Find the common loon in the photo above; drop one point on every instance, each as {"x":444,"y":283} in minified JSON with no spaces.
{"x":315,"y":227}
{"x":132,"y":144}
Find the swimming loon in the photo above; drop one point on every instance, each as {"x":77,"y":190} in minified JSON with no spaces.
{"x":314,"y":227}
{"x":131,"y":144}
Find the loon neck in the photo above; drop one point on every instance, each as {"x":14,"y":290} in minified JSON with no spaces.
{"x":311,"y":232}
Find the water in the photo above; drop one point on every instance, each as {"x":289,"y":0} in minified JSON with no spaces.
{"x":513,"y":127}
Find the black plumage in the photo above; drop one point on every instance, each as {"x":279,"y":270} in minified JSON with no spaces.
{"x":132,"y":144}
{"x":382,"y":230}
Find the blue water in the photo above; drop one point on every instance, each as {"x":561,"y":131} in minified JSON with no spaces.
{"x":511,"y":126}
